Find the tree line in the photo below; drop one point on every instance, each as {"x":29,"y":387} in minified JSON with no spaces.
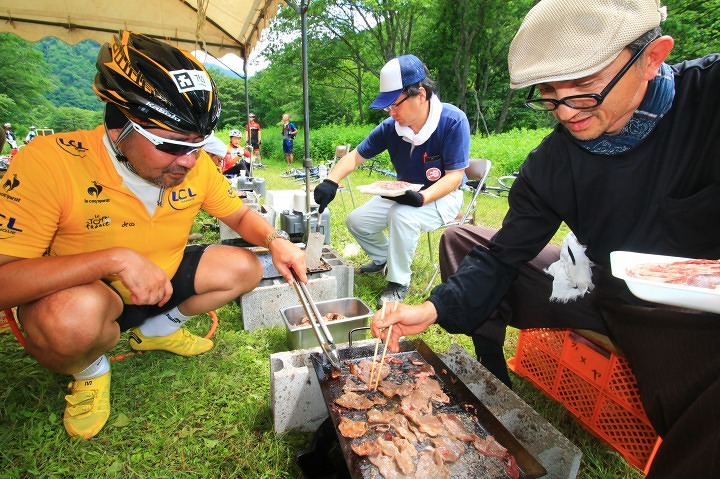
{"x":464,"y":43}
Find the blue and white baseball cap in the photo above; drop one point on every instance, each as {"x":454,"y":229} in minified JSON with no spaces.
{"x":396,"y":75}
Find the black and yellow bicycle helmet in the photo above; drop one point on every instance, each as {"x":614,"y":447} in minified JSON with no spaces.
{"x":155,"y":84}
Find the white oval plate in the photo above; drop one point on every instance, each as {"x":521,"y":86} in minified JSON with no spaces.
{"x":377,"y":189}
{"x":703,"y":299}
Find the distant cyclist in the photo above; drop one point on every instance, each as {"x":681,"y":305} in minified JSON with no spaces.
{"x":253,"y":137}
{"x":31,"y":135}
{"x":289,"y":130}
{"x":235,"y":161}
{"x":10,"y":136}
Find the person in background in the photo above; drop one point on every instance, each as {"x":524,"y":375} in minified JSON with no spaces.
{"x":237,"y":156}
{"x":253,"y":137}
{"x":31,"y":134}
{"x":10,"y":136}
{"x":234,"y":147}
{"x":217,"y":150}
{"x":632,"y":165}
{"x":429,"y":144}
{"x":289,"y":130}
{"x":103,"y":217}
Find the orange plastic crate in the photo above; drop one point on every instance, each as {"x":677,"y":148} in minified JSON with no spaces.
{"x":596,"y":386}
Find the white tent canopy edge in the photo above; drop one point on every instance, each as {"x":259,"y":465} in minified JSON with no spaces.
{"x":218,"y":27}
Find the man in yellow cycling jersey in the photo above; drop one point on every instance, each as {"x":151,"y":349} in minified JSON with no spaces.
{"x":103,"y":217}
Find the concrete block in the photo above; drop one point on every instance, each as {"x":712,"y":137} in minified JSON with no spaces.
{"x":295,"y":396}
{"x":298,"y":405}
{"x":342,"y":271}
{"x":261,"y":306}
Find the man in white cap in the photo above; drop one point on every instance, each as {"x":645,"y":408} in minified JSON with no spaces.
{"x":31,"y":135}
{"x":10,"y":135}
{"x":217,"y":150}
{"x":429,"y":144}
{"x":632,"y":165}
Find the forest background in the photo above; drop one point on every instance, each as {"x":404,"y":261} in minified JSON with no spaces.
{"x":464,"y":43}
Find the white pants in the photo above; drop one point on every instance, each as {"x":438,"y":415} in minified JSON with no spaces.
{"x":367,"y":224}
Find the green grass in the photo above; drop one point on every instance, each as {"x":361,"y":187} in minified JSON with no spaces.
{"x":209,"y":416}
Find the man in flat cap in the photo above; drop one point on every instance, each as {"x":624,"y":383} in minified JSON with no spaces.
{"x":632,"y":165}
{"x":429,"y":145}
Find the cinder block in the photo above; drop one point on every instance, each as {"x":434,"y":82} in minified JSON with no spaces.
{"x":298,"y":405}
{"x":261,"y":306}
{"x":342,"y":271}
{"x":295,"y":396}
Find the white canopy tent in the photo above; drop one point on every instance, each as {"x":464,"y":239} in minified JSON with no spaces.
{"x":215,"y":26}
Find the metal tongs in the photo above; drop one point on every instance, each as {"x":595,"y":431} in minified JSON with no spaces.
{"x":321,"y":331}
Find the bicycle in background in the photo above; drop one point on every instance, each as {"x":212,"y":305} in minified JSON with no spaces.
{"x":504,"y":183}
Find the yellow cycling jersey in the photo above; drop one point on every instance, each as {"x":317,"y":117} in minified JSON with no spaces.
{"x":61,"y":195}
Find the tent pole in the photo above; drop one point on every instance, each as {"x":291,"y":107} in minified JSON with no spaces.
{"x":307,"y":161}
{"x":247,"y":109}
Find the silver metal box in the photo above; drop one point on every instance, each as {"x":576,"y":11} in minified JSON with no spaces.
{"x":356,"y":313}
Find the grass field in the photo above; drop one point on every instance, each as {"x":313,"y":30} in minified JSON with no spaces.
{"x":209,"y":416}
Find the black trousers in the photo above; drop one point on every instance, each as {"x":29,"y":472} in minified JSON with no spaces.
{"x":674,"y":352}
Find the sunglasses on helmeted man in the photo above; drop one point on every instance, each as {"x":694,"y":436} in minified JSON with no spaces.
{"x":171,"y":147}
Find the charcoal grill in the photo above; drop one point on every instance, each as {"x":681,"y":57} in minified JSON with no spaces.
{"x":462,"y":403}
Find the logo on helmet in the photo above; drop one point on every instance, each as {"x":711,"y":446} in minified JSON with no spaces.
{"x":191,"y":80}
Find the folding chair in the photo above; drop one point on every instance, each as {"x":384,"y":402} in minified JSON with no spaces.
{"x":476,"y":172}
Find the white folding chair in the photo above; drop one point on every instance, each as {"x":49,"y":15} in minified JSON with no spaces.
{"x":476,"y":172}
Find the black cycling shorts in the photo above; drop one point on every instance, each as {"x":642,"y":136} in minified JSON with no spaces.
{"x":183,"y":284}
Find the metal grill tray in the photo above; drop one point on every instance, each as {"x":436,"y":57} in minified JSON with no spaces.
{"x":462,"y":403}
{"x":271,"y":272}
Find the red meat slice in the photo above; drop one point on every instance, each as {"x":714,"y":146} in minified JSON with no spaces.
{"x":367,"y":448}
{"x":431,"y":465}
{"x":351,"y":400}
{"x":450,"y":449}
{"x":350,"y":428}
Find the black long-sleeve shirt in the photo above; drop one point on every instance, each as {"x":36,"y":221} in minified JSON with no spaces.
{"x":662,"y":197}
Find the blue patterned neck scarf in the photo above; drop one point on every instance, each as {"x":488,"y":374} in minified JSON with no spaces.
{"x":657,"y":101}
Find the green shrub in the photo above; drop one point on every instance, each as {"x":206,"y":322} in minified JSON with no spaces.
{"x":506,"y":150}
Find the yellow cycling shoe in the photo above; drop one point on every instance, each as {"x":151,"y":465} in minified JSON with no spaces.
{"x":181,"y":342}
{"x":88,"y":406}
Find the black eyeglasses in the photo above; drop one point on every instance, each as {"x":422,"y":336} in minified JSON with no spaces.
{"x":586,"y":101}
{"x":171,"y":147}
{"x":395,"y":106}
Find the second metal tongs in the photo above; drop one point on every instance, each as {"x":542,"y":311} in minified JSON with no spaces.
{"x":321,"y":331}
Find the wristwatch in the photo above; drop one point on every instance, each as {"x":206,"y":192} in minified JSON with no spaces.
{"x":274,"y":235}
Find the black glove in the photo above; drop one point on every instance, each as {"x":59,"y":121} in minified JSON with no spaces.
{"x":324,"y":193}
{"x":410,"y":198}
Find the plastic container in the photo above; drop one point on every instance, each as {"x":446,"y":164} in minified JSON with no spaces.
{"x":594,"y":385}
